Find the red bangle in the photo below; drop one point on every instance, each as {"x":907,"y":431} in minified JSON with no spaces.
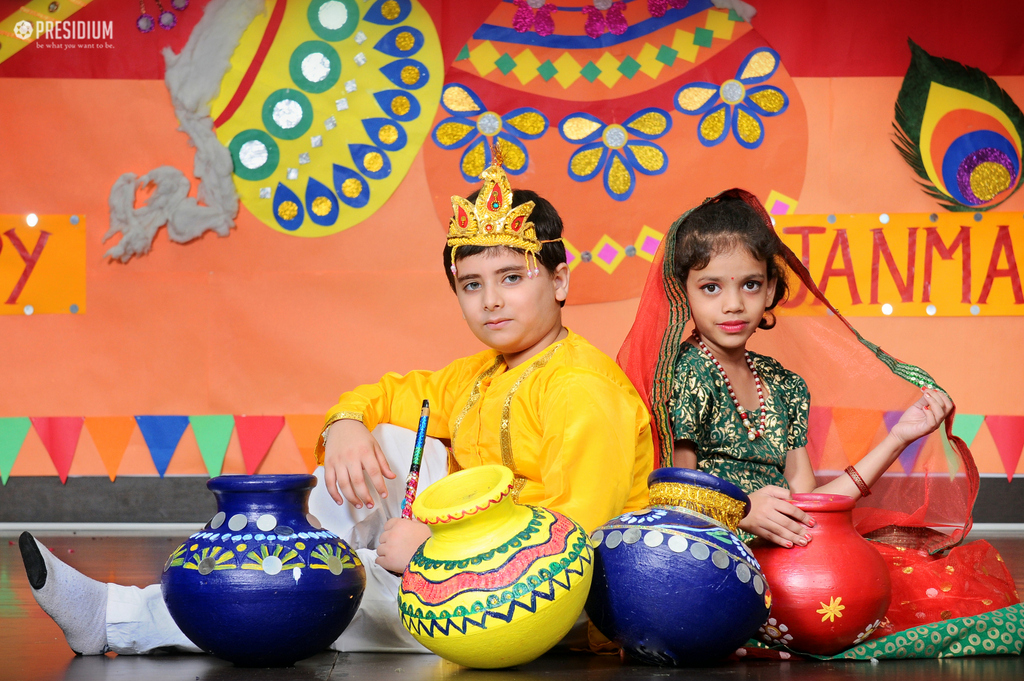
{"x":865,"y":491}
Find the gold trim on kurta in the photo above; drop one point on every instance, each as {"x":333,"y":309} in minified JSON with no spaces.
{"x":506,"y":411}
{"x":714,"y":504}
{"x":474,"y":396}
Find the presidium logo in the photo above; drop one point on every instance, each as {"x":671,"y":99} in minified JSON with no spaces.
{"x":65,"y":30}
{"x":23,"y":30}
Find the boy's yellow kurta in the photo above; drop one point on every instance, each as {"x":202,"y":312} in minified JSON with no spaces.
{"x":567,"y":422}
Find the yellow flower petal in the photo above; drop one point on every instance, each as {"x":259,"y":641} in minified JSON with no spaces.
{"x":769,"y":100}
{"x":577,"y":128}
{"x":761,"y":65}
{"x":651,"y":123}
{"x":586,"y":162}
{"x":713,"y":126}
{"x":529,"y":122}
{"x":693,"y":98}
{"x":458,"y":99}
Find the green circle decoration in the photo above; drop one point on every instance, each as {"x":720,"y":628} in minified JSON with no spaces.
{"x":307,"y":49}
{"x":283,"y":96}
{"x":325,"y":20}
{"x":269,"y":166}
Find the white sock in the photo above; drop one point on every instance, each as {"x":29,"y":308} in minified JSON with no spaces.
{"x":76,"y":603}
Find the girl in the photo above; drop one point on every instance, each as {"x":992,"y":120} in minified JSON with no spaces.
{"x":743,"y":417}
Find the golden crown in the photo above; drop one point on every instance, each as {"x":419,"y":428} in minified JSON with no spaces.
{"x":493,"y":221}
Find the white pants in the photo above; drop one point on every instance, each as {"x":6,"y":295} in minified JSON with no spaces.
{"x":138,"y":621}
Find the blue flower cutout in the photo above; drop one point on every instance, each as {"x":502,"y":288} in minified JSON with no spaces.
{"x":472,"y":125}
{"x":619,"y":150}
{"x":643,"y":518}
{"x":736,"y":105}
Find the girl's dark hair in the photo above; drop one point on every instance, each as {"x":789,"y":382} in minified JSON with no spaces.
{"x":722,"y":224}
{"x":546,"y":222}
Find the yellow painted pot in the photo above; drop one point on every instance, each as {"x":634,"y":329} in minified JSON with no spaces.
{"x":497,"y":584}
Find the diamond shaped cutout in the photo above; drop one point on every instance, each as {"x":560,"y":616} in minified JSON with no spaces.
{"x":591,"y":71}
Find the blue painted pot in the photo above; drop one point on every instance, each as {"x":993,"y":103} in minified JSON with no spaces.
{"x":673,"y":584}
{"x":263,"y":585}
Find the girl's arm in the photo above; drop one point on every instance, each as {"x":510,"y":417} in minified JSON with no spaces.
{"x":684,"y":454}
{"x":922,"y":418}
{"x":771,"y":515}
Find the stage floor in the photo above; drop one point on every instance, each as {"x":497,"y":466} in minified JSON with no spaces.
{"x":32,"y":647}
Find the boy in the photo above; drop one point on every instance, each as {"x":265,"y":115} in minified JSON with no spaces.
{"x":542,"y":401}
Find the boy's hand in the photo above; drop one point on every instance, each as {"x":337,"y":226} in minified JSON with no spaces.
{"x":923,"y":417}
{"x":350,"y":450}
{"x":398,"y":542}
{"x":772,"y":517}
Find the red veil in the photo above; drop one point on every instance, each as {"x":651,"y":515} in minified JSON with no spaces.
{"x":844,"y":372}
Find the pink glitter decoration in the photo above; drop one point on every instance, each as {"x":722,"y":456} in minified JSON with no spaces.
{"x":543,"y":23}
{"x":616,"y":22}
{"x":523,"y":19}
{"x":595,"y":26}
{"x":657,"y":8}
{"x":678,"y":4}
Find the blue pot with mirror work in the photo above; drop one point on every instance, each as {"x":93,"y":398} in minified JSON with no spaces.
{"x":263,"y":584}
{"x":673,"y":584}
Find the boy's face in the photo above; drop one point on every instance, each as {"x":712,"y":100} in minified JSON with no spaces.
{"x":510,"y":312}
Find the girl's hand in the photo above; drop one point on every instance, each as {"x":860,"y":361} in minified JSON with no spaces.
{"x":398,"y":543}
{"x":772,"y":517}
{"x":923,"y":417}
{"x":350,"y":451}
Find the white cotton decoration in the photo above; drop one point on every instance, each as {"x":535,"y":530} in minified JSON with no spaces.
{"x":193,"y":80}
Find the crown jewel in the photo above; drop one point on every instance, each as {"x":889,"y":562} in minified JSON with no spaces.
{"x":492,"y":221}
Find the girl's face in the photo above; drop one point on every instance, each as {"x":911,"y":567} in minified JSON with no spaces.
{"x":728,"y":299}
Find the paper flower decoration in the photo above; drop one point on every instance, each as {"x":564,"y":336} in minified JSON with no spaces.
{"x":619,"y":150}
{"x":473,"y":126}
{"x":737,"y":104}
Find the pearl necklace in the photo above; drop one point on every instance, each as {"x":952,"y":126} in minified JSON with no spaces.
{"x":752,"y":434}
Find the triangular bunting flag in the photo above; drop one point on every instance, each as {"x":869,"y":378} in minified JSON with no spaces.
{"x":255,"y":435}
{"x":162,"y":434}
{"x":1008,"y":434}
{"x":110,"y":434}
{"x":213,"y":433}
{"x":59,"y":434}
{"x":306,"y":429}
{"x":908,"y":457}
{"x":856,"y":429}
{"x":12,"y":434}
{"x":818,"y":424}
{"x":965,"y":427}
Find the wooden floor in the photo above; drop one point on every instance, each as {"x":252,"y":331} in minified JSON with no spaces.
{"x":32,"y":647}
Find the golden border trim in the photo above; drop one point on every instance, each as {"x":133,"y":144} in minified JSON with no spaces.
{"x":474,"y":396}
{"x":506,"y":416}
{"x":719,"y":507}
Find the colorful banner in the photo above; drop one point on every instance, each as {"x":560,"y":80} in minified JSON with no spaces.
{"x":42,"y":264}
{"x":909,"y":264}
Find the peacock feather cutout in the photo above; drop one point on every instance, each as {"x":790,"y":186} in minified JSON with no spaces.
{"x":959,"y":131}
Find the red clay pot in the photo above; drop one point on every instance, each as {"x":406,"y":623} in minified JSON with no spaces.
{"x":831,"y":594}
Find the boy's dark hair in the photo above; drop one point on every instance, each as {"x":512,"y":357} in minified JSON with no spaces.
{"x":546,"y":222}
{"x":720,"y":225}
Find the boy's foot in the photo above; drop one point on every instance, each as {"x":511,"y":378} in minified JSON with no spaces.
{"x":76,"y":603}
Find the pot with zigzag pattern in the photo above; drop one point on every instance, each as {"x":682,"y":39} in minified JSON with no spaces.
{"x":263,"y":584}
{"x":497,"y":584}
{"x":673,"y":584}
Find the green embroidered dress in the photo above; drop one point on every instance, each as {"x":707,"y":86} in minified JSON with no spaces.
{"x":702,"y":411}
